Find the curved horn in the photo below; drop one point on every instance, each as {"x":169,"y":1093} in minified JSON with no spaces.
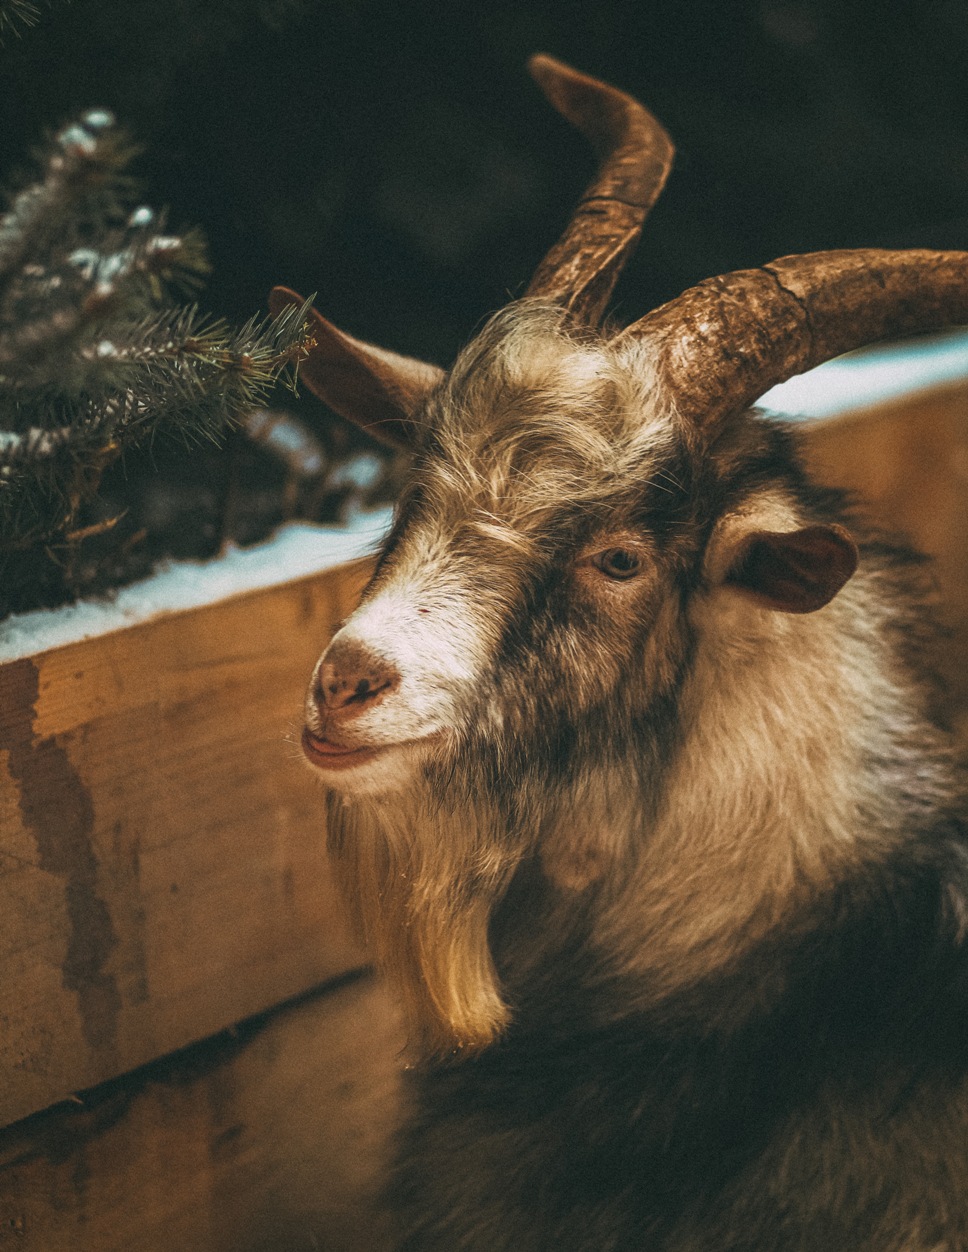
{"x":725,"y":342}
{"x":636,"y":155}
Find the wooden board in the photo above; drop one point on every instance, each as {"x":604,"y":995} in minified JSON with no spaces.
{"x":162,"y":871}
{"x":270,"y":1139}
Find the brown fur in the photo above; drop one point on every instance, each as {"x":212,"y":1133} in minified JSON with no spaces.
{"x":666,"y":848}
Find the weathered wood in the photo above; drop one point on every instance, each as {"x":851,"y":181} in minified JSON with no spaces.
{"x":907,"y":461}
{"x":162,"y":870}
{"x":269,"y":1139}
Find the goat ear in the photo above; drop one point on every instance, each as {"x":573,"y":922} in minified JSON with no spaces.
{"x":795,"y":571}
{"x":376,"y":389}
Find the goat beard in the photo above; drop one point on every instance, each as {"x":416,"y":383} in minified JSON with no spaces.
{"x":421,"y":879}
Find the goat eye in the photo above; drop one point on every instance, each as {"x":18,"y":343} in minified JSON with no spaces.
{"x":617,"y":563}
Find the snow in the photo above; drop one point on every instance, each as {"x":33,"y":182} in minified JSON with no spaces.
{"x":871,"y":376}
{"x":850,"y":382}
{"x":295,"y":551}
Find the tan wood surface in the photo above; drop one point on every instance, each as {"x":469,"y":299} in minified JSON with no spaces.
{"x":162,"y":870}
{"x":273,"y":1139}
{"x":907,"y":461}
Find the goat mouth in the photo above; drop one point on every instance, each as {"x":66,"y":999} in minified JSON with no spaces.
{"x":332,"y":756}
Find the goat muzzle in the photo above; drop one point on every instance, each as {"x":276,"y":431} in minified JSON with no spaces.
{"x":351,"y":679}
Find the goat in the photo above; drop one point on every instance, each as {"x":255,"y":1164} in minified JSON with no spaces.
{"x":634,"y":786}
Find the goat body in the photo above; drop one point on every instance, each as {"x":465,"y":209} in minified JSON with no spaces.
{"x":636,"y":792}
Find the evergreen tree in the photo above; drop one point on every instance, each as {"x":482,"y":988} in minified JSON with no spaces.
{"x":16,"y":14}
{"x":96,"y":353}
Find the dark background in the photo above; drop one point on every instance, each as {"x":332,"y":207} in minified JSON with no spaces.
{"x":397,"y":159}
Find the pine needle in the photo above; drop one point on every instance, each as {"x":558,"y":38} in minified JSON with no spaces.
{"x":97,"y":355}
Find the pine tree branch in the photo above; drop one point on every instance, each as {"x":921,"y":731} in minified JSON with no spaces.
{"x":94,"y":355}
{"x":81,"y":187}
{"x":15,"y":14}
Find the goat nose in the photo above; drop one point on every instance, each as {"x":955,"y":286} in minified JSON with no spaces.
{"x":352,"y":678}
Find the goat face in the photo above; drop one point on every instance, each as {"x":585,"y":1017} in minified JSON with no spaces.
{"x":542,"y":540}
{"x":510,"y":684}
{"x":529,"y":615}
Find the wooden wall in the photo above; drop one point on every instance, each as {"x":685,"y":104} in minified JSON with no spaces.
{"x":162,"y":867}
{"x":271,"y":1138}
{"x":162,"y":880}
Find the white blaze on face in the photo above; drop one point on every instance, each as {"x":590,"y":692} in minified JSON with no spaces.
{"x":434,"y":643}
{"x":427,"y":627}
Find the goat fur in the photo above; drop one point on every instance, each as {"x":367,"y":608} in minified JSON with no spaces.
{"x":677,"y":900}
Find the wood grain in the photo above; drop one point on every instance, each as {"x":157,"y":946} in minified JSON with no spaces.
{"x":272,"y":1138}
{"x":162,"y":869}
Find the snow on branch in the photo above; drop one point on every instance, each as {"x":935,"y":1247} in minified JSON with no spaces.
{"x":96,"y":353}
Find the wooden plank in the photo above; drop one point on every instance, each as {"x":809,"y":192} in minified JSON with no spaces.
{"x":908,"y":462}
{"x":270,"y":1139}
{"x":161,"y":862}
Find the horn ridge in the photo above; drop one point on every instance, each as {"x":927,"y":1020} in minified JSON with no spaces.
{"x":726,"y":341}
{"x":635,"y":155}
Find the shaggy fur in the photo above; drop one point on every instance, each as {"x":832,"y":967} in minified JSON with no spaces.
{"x":674,"y":885}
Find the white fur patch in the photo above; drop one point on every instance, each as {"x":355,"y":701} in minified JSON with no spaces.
{"x":426,"y":625}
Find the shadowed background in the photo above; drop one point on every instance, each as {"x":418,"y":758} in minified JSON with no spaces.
{"x":398,"y":160}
